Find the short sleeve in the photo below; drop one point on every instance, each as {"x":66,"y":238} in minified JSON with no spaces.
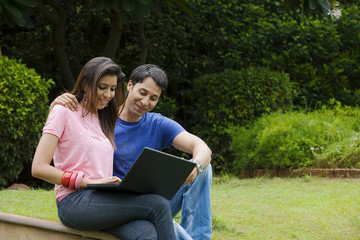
{"x":169,"y":130}
{"x":56,"y":121}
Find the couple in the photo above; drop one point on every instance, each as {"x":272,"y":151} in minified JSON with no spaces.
{"x":79,"y":136}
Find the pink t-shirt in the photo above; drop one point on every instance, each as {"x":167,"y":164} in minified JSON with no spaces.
{"x":82,"y":146}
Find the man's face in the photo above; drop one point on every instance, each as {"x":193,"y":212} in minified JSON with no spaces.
{"x":142,"y":97}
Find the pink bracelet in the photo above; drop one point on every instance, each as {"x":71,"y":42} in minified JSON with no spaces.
{"x":78,"y":180}
{"x":72,"y":180}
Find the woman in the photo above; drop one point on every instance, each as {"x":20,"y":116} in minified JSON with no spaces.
{"x":81,"y":143}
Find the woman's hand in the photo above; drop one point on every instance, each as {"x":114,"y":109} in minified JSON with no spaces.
{"x":67,"y":100}
{"x":87,"y":181}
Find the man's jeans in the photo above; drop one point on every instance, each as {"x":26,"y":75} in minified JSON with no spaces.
{"x":125,"y":215}
{"x":193,"y":200}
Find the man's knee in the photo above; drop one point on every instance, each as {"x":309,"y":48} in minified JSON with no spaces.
{"x":208,"y":169}
{"x":207,"y":174}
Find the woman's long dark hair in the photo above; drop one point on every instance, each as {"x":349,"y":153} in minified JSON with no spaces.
{"x":87,"y":83}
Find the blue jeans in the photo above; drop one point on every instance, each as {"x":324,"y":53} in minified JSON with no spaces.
{"x":125,"y":215}
{"x":193,"y":200}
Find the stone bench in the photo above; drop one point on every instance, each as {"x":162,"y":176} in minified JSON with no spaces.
{"x":15,"y":227}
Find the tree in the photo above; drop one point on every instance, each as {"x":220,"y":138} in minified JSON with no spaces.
{"x":122,"y":12}
{"x":125,"y":11}
{"x":55,"y":12}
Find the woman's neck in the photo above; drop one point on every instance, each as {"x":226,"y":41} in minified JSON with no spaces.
{"x":83,"y":106}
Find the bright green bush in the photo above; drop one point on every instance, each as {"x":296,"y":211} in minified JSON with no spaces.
{"x":326,"y":138}
{"x":235,"y":98}
{"x":23,"y":111}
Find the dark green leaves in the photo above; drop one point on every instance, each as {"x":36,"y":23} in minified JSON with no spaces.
{"x":17,"y":12}
{"x":309,"y":5}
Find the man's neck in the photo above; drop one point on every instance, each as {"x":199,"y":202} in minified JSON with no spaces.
{"x":127,"y":116}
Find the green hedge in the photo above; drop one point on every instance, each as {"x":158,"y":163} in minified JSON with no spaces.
{"x":235,"y":98}
{"x":23,"y":111}
{"x":324,"y":138}
{"x":320,"y":56}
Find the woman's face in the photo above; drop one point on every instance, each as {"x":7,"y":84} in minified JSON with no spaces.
{"x":105,"y":90}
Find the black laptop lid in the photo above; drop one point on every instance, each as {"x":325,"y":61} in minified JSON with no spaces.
{"x":153,"y":172}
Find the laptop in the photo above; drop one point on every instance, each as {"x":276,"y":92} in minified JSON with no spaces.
{"x":153,"y":172}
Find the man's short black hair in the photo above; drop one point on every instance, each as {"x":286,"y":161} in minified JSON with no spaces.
{"x":149,"y":70}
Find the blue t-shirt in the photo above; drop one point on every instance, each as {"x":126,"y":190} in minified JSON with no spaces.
{"x":152,"y":130}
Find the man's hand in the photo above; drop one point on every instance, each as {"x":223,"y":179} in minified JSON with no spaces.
{"x":67,"y":100}
{"x":192,"y":176}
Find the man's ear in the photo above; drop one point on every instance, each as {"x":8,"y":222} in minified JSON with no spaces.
{"x":129,"y":85}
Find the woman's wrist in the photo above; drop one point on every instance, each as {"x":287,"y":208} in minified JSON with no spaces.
{"x":78,"y":180}
{"x":84,"y":183}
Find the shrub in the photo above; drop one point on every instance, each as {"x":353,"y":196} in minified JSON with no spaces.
{"x":325,"y":138}
{"x":235,"y":98}
{"x":23,"y":111}
{"x":166,"y":106}
{"x":320,"y":56}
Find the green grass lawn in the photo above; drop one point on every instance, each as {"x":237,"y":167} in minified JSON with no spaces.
{"x":259,"y":208}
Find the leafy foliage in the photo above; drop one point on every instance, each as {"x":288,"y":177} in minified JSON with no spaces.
{"x":138,"y":9}
{"x":166,"y":106}
{"x":23,"y":111}
{"x":326,"y":138}
{"x":235,"y":98}
{"x":311,"y":5}
{"x":17,"y":12}
{"x":320,"y":56}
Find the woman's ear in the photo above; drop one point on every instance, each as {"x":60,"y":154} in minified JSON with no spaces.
{"x":84,"y":88}
{"x":85,"y":96}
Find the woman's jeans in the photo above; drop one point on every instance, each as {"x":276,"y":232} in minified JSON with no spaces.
{"x":193,"y":200}
{"x":125,"y":215}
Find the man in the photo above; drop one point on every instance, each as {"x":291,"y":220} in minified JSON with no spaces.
{"x":137,"y":128}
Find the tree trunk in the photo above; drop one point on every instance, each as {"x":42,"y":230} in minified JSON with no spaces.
{"x":143,"y":43}
{"x":58,"y":23}
{"x":61,"y":55}
{"x":114,"y":36}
